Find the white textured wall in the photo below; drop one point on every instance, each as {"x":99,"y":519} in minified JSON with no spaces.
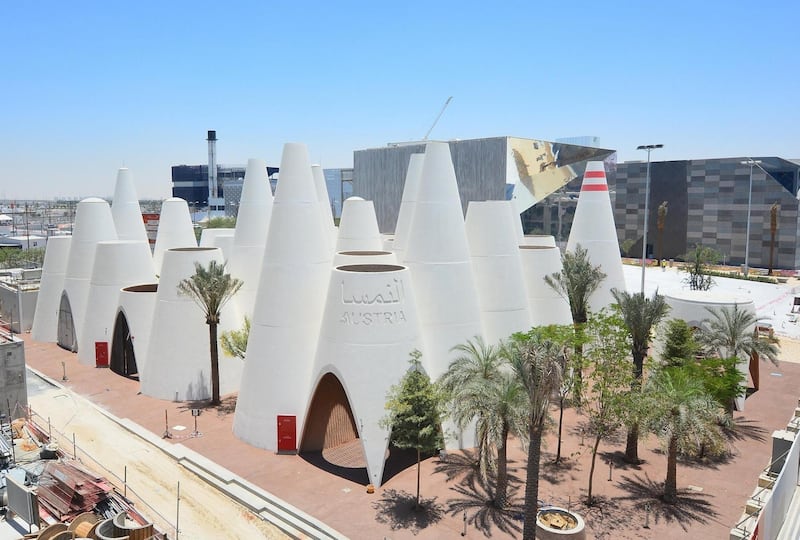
{"x":54,"y":269}
{"x":175,"y":229}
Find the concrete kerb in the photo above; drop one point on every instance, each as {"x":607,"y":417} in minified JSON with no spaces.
{"x":291,"y":520}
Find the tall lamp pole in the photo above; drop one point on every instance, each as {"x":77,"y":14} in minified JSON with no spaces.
{"x":647,"y":148}
{"x":752,"y":163}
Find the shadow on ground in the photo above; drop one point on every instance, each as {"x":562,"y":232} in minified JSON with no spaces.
{"x":396,"y":509}
{"x":691,"y":507}
{"x":475,"y":505}
{"x":357,"y":475}
{"x":226,"y":406}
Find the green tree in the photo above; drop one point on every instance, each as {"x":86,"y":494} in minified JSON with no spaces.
{"x":234,"y":342}
{"x":21,"y":258}
{"x":660,"y":222}
{"x":576,"y":282}
{"x":536,"y":360}
{"x":720,"y":378}
{"x":221,"y":222}
{"x":699,"y":260}
{"x":476,"y":387}
{"x":682,"y":413}
{"x":680,"y":344}
{"x":414,"y":413}
{"x":608,"y":392}
{"x":641,"y":316}
{"x":211,"y":288}
{"x":731,"y":332}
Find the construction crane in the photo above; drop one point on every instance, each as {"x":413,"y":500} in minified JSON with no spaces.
{"x":446,"y":103}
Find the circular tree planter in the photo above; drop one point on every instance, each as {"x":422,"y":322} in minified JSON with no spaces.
{"x":555,"y":523}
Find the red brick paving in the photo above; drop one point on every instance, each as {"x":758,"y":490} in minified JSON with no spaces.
{"x":344,"y":504}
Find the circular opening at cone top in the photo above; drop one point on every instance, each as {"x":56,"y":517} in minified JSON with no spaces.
{"x":148,"y":287}
{"x":193,"y":249}
{"x":374,"y":268}
{"x":538,"y":247}
{"x":365,"y":253}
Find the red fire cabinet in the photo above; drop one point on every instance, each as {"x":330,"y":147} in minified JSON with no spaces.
{"x":287,"y":434}
{"x":101,"y":353}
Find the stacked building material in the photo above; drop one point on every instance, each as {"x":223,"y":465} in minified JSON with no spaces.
{"x":66,"y":490}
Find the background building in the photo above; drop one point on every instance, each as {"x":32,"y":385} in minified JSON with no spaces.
{"x":496,"y":168}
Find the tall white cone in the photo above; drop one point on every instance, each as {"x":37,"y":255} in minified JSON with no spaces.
{"x":175,"y":229}
{"x":439,"y":260}
{"x":117,"y":264}
{"x":126,"y":210}
{"x":93,"y":224}
{"x":324,"y":200}
{"x":137,"y":304}
{"x":252,"y":225}
{"x":493,"y":243}
{"x":288,"y":308}
{"x":407,"y":204}
{"x":54,"y":270}
{"x":593,"y":228}
{"x":547,"y":306}
{"x":368,"y":332}
{"x":358,"y":228}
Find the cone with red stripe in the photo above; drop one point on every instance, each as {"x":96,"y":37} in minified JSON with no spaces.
{"x":593,"y":228}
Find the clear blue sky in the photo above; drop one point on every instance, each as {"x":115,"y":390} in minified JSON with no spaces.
{"x":88,"y":87}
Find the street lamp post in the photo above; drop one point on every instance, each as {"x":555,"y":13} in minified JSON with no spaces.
{"x":752,"y":163}
{"x":647,"y":148}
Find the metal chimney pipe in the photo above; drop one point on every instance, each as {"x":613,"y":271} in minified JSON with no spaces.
{"x":213,"y":193}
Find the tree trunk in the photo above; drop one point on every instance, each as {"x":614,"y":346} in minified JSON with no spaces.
{"x":577,"y":385}
{"x":560,"y":425}
{"x":632,"y":439}
{"x":501,"y":490}
{"x":660,"y":244}
{"x":212,"y":337}
{"x":532,"y":483}
{"x":771,"y":250}
{"x":419,"y":462}
{"x":589,"y":499}
{"x":671,"y":484}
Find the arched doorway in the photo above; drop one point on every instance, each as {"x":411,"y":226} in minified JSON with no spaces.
{"x":330,"y":436}
{"x":123,"y":359}
{"x":66,"y":338}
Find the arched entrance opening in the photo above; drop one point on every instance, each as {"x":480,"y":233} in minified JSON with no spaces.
{"x":66,"y":338}
{"x":330,"y":436}
{"x":123,"y":359}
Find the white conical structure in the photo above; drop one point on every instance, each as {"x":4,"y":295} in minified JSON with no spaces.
{"x":225,"y":242}
{"x":543,"y":240}
{"x":358,"y":227}
{"x":54,"y":270}
{"x":252,"y":225}
{"x":368,"y":332}
{"x":126,"y":210}
{"x":288,"y":309}
{"x":546,"y":305}
{"x":137,"y":304}
{"x":593,"y":228}
{"x":208,"y":238}
{"x":493,"y":244}
{"x":439,"y":260}
{"x":117,"y":264}
{"x":178,"y":365}
{"x":93,"y":224}
{"x":323,"y":197}
{"x":343,"y":258}
{"x":175,"y":229}
{"x":407,"y":205}
{"x":517,"y":221}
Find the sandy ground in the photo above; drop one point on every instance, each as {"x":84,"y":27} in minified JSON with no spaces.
{"x":151,"y":474}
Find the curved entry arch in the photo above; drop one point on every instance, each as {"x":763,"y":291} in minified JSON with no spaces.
{"x":123,"y":359}
{"x":330,"y":436}
{"x":66,"y":338}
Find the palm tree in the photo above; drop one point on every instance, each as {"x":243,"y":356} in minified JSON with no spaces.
{"x":478,"y":388}
{"x":576,"y":282}
{"x":732,"y":333}
{"x":682,"y":414}
{"x":210,"y":288}
{"x":536,"y":363}
{"x":641,"y":316}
